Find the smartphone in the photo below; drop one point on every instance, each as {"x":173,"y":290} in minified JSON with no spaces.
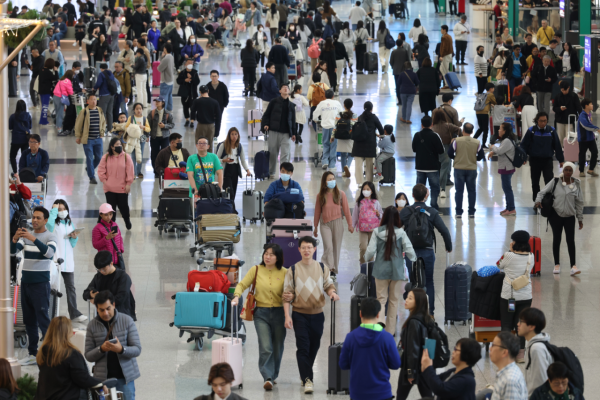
{"x":114,"y":229}
{"x":113,"y":341}
{"x":511,"y":305}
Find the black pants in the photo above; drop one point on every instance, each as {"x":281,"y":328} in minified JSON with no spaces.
{"x":453,"y":8}
{"x":404,"y":389}
{"x":280,"y":74}
{"x":148,"y":92}
{"x":481,"y":81}
{"x":33,"y":93}
{"x":262,"y":59}
{"x":249,"y":78}
{"x":12,"y":81}
{"x":583,"y":148}
{"x":299,"y":129}
{"x":461,"y":49}
{"x":156,"y":145}
{"x":361,"y":49}
{"x":483,"y":120}
{"x":308,"y":329}
{"x":509,"y":320}
{"x":120,"y":200}
{"x":14,"y":149}
{"x":436,"y":5}
{"x":283,"y":25}
{"x":230,"y":180}
{"x":333,"y":79}
{"x":559,"y":223}
{"x":539,"y":166}
{"x":187,"y":105}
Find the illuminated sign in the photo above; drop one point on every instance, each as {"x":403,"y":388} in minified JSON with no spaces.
{"x":587,"y":56}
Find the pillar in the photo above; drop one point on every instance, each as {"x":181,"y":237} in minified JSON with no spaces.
{"x":513,"y":18}
{"x":585,"y":21}
{"x":442,"y":5}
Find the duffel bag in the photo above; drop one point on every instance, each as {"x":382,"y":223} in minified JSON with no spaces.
{"x":214,"y":206}
{"x":208,"y":281}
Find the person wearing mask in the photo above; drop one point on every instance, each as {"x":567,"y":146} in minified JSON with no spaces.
{"x":429,"y":86}
{"x":412,"y":339}
{"x":35,"y":158}
{"x":344,"y":146}
{"x":207,"y":112}
{"x":360,"y":46}
{"x":141,"y":77}
{"x":220,"y":379}
{"x":193,"y":51}
{"x":63,"y":372}
{"x":455,"y":383}
{"x":269,"y":319}
{"x":188,"y":81}
{"x":568,"y":205}
{"x":47,"y":79}
{"x":366,"y":216}
{"x":272,"y":21}
{"x":401,"y":201}
{"x":370,"y":353}
{"x":545,"y":76}
{"x":20,"y":125}
{"x":481,"y":67}
{"x":36,"y":66}
{"x":541,"y":144}
{"x":506,"y":155}
{"x":212,"y":168}
{"x":564,"y":105}
{"x":167,"y":79}
{"x":171,"y":156}
{"x":587,"y":139}
{"x":462,"y":30}
{"x":330,"y":205}
{"x":113,"y":360}
{"x":390,"y":245}
{"x":128,"y":57}
{"x":406,"y":86}
{"x":35,"y":279}
{"x":281,"y":129}
{"x":398,"y":58}
{"x":231,"y":154}
{"x":284,"y":183}
{"x":326,"y":111}
{"x":137,"y":136}
{"x":64,"y":87}
{"x":89,"y":130}
{"x":62,"y":226}
{"x":161,"y":123}
{"x":260,"y":42}
{"x":447,"y":132}
{"x":249,"y":58}
{"x":364,"y":149}
{"x":124,"y":78}
{"x":106,"y":235}
{"x":218,"y":91}
{"x":515,"y":68}
{"x":446,"y":52}
{"x":105,"y":98}
{"x":428,"y":147}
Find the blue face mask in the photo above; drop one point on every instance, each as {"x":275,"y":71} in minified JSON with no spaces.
{"x":331,"y":184}
{"x":285,"y":177}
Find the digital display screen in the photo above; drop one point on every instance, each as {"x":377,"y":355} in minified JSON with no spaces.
{"x":587,"y":56}
{"x":561,"y":4}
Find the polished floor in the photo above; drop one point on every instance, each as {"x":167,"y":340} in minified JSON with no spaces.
{"x":172,"y":369}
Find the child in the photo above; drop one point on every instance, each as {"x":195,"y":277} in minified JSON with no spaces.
{"x":483,"y":118}
{"x":300,"y":102}
{"x":79,"y":33}
{"x":366,"y":216}
{"x":119,"y":127}
{"x":386,"y":144}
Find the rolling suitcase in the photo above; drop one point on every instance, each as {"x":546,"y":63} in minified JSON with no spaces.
{"x":338,"y":26}
{"x":452,"y":81}
{"x":253,"y":201}
{"x":457,"y":287}
{"x":371,"y":63}
{"x":570,"y":143}
{"x":355,"y":302}
{"x":338,"y":381}
{"x":261,"y":163}
{"x":219,"y":227}
{"x":174,"y":209}
{"x":254,"y":119}
{"x":197,"y":309}
{"x":388,"y":171}
{"x":291,"y":254}
{"x":371,"y":290}
{"x":283,"y":227}
{"x":535,"y":242}
{"x":155,"y":74}
{"x":229,"y":350}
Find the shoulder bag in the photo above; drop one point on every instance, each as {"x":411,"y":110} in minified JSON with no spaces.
{"x":411,"y":81}
{"x":119,"y":254}
{"x":523,"y":280}
{"x":548,"y":201}
{"x":247,"y":313}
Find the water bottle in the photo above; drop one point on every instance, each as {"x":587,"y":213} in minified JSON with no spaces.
{"x":101,"y":395}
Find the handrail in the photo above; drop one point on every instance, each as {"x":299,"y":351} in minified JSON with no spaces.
{"x":29,"y":37}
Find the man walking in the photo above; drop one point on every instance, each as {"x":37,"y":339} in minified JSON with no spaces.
{"x":278,"y":55}
{"x":36,"y":66}
{"x":89,"y":130}
{"x":519,"y":68}
{"x":279,"y":120}
{"x":328,"y":110}
{"x":587,"y":139}
{"x":462,"y":30}
{"x":545,"y":78}
{"x":218,"y":90}
{"x":510,"y":383}
{"x":106,"y":81}
{"x":124,"y":78}
{"x":565,"y":104}
{"x":207,"y":113}
{"x":167,"y":79}
{"x":545,"y":34}
{"x":446,"y":53}
{"x":465,"y":151}
{"x":266,"y":87}
{"x":357,"y":13}
{"x":428,"y":146}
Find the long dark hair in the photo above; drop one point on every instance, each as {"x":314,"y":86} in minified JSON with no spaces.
{"x":277,"y":250}
{"x":382,"y":26}
{"x":508,"y":131}
{"x":21,"y":107}
{"x":322,"y":196}
{"x":368,"y":110}
{"x":346,"y":27}
{"x":300,"y":24}
{"x":391,"y":220}
{"x":296,"y":88}
{"x":7,"y":380}
{"x":421,"y":306}
{"x":348,"y":103}
{"x":114,"y":14}
{"x":227,"y":144}
{"x":273,"y":9}
{"x":417,"y":23}
{"x":113,"y":141}
{"x":328,"y":45}
{"x":249,"y":47}
{"x":68,"y":218}
{"x":373,"y":192}
{"x":399,"y":195}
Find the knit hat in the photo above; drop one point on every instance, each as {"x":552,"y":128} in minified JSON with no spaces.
{"x":569,"y":164}
{"x":520,"y":236}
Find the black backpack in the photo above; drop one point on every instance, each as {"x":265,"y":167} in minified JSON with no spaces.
{"x":442,"y":353}
{"x":343,"y":128}
{"x":110,"y":84}
{"x":566,"y":356}
{"x":27,"y":175}
{"x":418,"y":228}
{"x":359,"y":131}
{"x":520,"y":156}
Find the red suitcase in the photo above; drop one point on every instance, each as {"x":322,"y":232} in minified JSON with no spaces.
{"x":155,"y":74}
{"x":535,"y":242}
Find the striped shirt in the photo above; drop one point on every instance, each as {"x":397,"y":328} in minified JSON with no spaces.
{"x":37,"y":256}
{"x":481,"y":66}
{"x":510,"y":384}
{"x":94,"y":124}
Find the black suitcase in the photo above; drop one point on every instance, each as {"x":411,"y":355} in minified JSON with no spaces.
{"x":371,"y":292}
{"x":338,"y":381}
{"x":70,"y":117}
{"x":388,"y":170}
{"x":457,"y":288}
{"x":89,"y":77}
{"x":174,"y":209}
{"x":338,"y":26}
{"x":371,"y":62}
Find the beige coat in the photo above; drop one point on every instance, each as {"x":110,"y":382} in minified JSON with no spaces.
{"x":82,"y":124}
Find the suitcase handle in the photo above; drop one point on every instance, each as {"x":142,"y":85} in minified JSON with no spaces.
{"x":332,"y":327}
{"x":238,"y":328}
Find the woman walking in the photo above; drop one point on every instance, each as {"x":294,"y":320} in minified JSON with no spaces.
{"x":64,"y":87}
{"x":300,"y":102}
{"x":46,"y":80}
{"x":429,"y":86}
{"x":408,"y":82}
{"x":188,"y":81}
{"x":570,"y":60}
{"x":447,"y":133}
{"x":272,"y":21}
{"x":305,"y":33}
{"x":106,"y":235}
{"x":261,"y":45}
{"x":421,"y":49}
{"x":19,"y":124}
{"x":249,"y":56}
{"x":62,"y":226}
{"x":366,"y":216}
{"x":267,"y":279}
{"x":364,"y":149}
{"x":416,"y":31}
{"x":389,"y":242}
{"x":347,"y":38}
{"x":344,"y":146}
{"x":231,"y":154}
{"x":115,"y":30}
{"x":360,"y":46}
{"x":321,"y":69}
{"x":328,"y":57}
{"x":116,"y":173}
{"x":384,"y":52}
{"x":139,"y":70}
{"x":568,"y":206}
{"x":506,"y":155}
{"x":194,"y":51}
{"x":330,"y":204}
{"x":225,"y":25}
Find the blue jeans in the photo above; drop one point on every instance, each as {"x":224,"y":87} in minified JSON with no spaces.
{"x":308,"y":329}
{"x":57,"y":36}
{"x":60,"y":112}
{"x":123,"y":110}
{"x":446,"y":165}
{"x":128,"y":389}
{"x":508,"y":191}
{"x":138,"y":167}
{"x":354,"y":27}
{"x":462,"y":176}
{"x":166,"y":92}
{"x":329,"y":149}
{"x":514,"y":82}
{"x":434,"y":183}
{"x":35,"y":303}
{"x":407,"y":102}
{"x":225,"y":36}
{"x":346,"y":159}
{"x":270,"y":329}
{"x":93,"y":155}
{"x":428,"y":256}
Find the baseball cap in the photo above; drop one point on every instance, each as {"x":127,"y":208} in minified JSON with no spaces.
{"x":106,"y":208}
{"x":159,"y":99}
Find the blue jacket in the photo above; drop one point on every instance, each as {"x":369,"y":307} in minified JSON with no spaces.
{"x":153,"y":37}
{"x":460,"y":387}
{"x":41,"y":161}
{"x":62,"y":27}
{"x":369,"y":355}
{"x":278,"y":55}
{"x":101,"y":82}
{"x":190,"y":50}
{"x":277,"y":187}
{"x":408,"y":82}
{"x":257,"y":16}
{"x":585,"y":128}
{"x":542,"y":143}
{"x":268,"y":87}
{"x":20,"y":126}
{"x":434,"y":221}
{"x":328,"y":31}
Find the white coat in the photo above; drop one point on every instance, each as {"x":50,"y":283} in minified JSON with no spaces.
{"x":64,"y":247}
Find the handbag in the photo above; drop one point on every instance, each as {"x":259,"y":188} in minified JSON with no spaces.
{"x":208,"y":190}
{"x":523,"y":280}
{"x":124,"y":29}
{"x":119,"y":254}
{"x":548,"y":201}
{"x":247,"y":313}
{"x":64,"y":100}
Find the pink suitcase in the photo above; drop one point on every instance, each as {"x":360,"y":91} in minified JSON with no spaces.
{"x":571,"y":150}
{"x":283,"y":227}
{"x":155,"y":74}
{"x":229,"y":350}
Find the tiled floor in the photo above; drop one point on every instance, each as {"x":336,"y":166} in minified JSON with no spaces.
{"x":171,"y":369}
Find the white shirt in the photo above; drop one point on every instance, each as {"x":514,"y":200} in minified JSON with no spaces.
{"x":414,"y":33}
{"x":515,"y":265}
{"x":328,"y":109}
{"x":459,"y":28}
{"x":357,"y":14}
{"x":566,"y":64}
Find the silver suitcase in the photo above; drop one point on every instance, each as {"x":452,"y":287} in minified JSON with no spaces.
{"x":253,"y":203}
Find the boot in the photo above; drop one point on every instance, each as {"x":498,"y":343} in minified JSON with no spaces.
{"x":127,"y":223}
{"x":344,"y":71}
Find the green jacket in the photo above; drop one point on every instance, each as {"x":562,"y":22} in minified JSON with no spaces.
{"x":394,"y":268}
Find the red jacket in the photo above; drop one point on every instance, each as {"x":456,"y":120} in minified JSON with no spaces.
{"x":24,"y":190}
{"x":99,"y":239}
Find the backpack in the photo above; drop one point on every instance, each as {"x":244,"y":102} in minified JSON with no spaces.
{"x":566,"y":356}
{"x":166,"y":117}
{"x":359,"y":131}
{"x":390,"y":43}
{"x":208,"y":281}
{"x":343,"y":128}
{"x":18,"y":215}
{"x":442,"y":354}
{"x":318,"y":95}
{"x":418,"y":228}
{"x":314,"y":51}
{"x":367,"y":218}
{"x":520,"y":156}
{"x":480,"y":101}
{"x":110,"y":84}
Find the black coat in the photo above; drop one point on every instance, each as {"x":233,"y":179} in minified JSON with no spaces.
{"x":274,"y":113}
{"x":340,"y":52}
{"x":6,"y":395}
{"x":540,"y":79}
{"x":507,"y":68}
{"x":249,"y":58}
{"x":220,"y":94}
{"x":522,"y":100}
{"x":572,"y":104}
{"x":65,"y":381}
{"x":137,"y":23}
{"x":427,"y":146}
{"x":176,"y":41}
{"x":311,"y":25}
{"x":412,"y":339}
{"x":460,"y":387}
{"x":119,"y":285}
{"x":368,"y":147}
{"x":278,"y":55}
{"x":484,"y":298}
{"x":330,"y":58}
{"x":48,"y":79}
{"x":101,"y":51}
{"x":429,"y":80}
{"x":187,"y":89}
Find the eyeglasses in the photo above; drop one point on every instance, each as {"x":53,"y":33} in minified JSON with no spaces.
{"x":33,"y":142}
{"x":203,"y":144}
{"x":497,"y":345}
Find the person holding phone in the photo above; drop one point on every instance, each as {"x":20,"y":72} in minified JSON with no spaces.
{"x":231,"y":154}
{"x":515,"y":263}
{"x":106,"y":234}
{"x":66,"y":239}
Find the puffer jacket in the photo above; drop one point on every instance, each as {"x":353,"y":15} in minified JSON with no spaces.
{"x":273,"y":114}
{"x":125,"y":330}
{"x":394,"y":268}
{"x":368,"y":148}
{"x":412,"y":339}
{"x":484,"y":297}
{"x":132,"y":136}
{"x":249,"y":58}
{"x":63,"y":87}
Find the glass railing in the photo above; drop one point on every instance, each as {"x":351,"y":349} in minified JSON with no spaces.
{"x":530,"y":20}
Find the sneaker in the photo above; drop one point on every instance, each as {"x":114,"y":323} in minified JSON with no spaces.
{"x":582,"y":174}
{"x":471,"y":216}
{"x":556,"y":269}
{"x":75,"y":43}
{"x":81,"y":318}
{"x":140,"y":176}
{"x":325,"y":166}
{"x":443,"y":194}
{"x":80,"y":48}
{"x":347,"y":172}
{"x":575,"y":271}
{"x":191,"y":124}
{"x":225,"y":49}
{"x":510,"y":213}
{"x":308,"y":386}
{"x":59,"y":48}
{"x":30,"y":360}
{"x":187,"y":123}
{"x":503,"y":211}
{"x":268,"y":385}
{"x":449,"y":183}
{"x":93,"y":181}
{"x":592,"y":173}
{"x":458,"y":216}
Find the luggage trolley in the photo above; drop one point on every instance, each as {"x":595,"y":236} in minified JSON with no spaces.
{"x":39,"y":190}
{"x":292,"y":72}
{"x":500,"y":114}
{"x":174,"y":212}
{"x":484,"y":330}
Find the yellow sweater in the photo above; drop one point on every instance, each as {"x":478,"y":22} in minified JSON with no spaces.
{"x":269,"y":285}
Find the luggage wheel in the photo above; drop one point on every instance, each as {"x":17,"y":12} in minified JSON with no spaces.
{"x":241,"y":386}
{"x":199,"y":344}
{"x":21,"y":340}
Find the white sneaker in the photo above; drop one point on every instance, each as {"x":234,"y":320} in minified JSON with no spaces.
{"x":75,"y":43}
{"x":29,"y":360}
{"x":575,"y":271}
{"x":81,"y":318}
{"x":443,"y":194}
{"x":79,"y":48}
{"x":308,"y":386}
{"x":225,"y":49}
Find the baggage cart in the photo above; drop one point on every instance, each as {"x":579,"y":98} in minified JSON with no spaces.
{"x":174,"y":212}
{"x":39,"y":190}
{"x":292,"y":72}
{"x":500,"y":114}
{"x":484,"y":330}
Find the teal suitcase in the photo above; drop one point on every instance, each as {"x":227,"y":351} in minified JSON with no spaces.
{"x":200,"y":309}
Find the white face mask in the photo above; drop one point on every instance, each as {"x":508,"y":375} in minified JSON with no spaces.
{"x":260,"y":29}
{"x":192,"y":41}
{"x":366,"y":193}
{"x":189,"y":67}
{"x":401,"y":203}
{"x":63,"y":214}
